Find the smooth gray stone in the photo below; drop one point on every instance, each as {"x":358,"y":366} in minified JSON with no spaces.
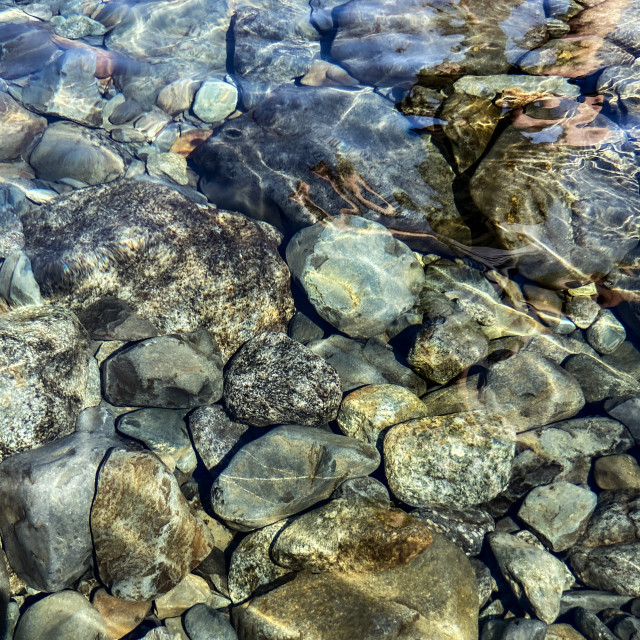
{"x":67,"y":615}
{"x":466,"y":528}
{"x":628,"y":629}
{"x":522,"y":629}
{"x":202,"y":622}
{"x":273,"y":379}
{"x":286,"y":471}
{"x":46,"y":497}
{"x":68,"y":89}
{"x":164,"y":432}
{"x":113,"y":319}
{"x":26,"y":48}
{"x":171,"y":372}
{"x":371,"y":362}
{"x":214,"y":434}
{"x":17,"y":284}
{"x":625,"y":358}
{"x":307,"y":180}
{"x":215,"y":100}
{"x":591,"y":626}
{"x":582,"y":311}
{"x":68,"y":150}
{"x":591,"y":600}
{"x":599,"y":380}
{"x":627,"y":410}
{"x":367,"y":489}
{"x":358,"y":277}
{"x":303,"y":329}
{"x":606,"y":334}
{"x":19,"y":128}
{"x":45,"y":363}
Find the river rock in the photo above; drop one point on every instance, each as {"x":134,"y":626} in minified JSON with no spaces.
{"x":626,"y":358}
{"x":180,"y":266}
{"x":563,"y":147}
{"x":368,"y":412}
{"x":389,"y":176}
{"x":18,"y":128}
{"x":113,"y":319}
{"x":138,"y":500}
{"x":457,"y":461}
{"x":17,"y":284}
{"x":366,"y":488}
{"x":563,"y":632}
{"x":215,"y":100}
{"x":66,"y":614}
{"x":168,"y":165}
{"x":361,"y":363}
{"x":558,"y":513}
{"x":44,"y":517}
{"x":68,"y":89}
{"x":26,"y":45}
{"x":68,"y":150}
{"x":426,"y":43}
{"x":582,"y":311}
{"x":179,"y":371}
{"x":273,"y":379}
{"x":617,"y":472}
{"x":606,"y":334}
{"x":202,"y":622}
{"x":591,"y":625}
{"x":620,"y":87}
{"x":120,"y":616}
{"x":286,"y":471}
{"x":599,"y":380}
{"x":627,"y":411}
{"x":190,"y":591}
{"x":44,"y":356}
{"x":536,"y":578}
{"x":355,"y":274}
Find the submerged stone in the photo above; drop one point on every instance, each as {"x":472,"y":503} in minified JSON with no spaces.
{"x":18,"y":128}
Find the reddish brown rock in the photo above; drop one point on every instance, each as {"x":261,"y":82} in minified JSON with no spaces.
{"x":120,"y":616}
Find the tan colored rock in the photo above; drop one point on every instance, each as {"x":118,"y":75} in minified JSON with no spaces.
{"x":120,"y":616}
{"x":562,"y":632}
{"x":18,"y":128}
{"x":617,"y":472}
{"x":188,"y":592}
{"x":146,"y":537}
{"x":366,"y":412}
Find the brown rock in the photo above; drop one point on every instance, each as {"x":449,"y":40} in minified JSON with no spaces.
{"x":120,"y":616}
{"x":146,"y":537}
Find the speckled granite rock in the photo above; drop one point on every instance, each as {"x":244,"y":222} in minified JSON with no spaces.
{"x":286,"y":471}
{"x":139,"y":501}
{"x":179,"y":371}
{"x":179,"y":265}
{"x":273,"y":379}
{"x":459,"y":460}
{"x":356,"y":274}
{"x":66,"y":614}
{"x":18,"y":128}
{"x":45,"y":498}
{"x":44,"y":358}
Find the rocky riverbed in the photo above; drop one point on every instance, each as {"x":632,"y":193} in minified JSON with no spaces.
{"x":319,"y":320}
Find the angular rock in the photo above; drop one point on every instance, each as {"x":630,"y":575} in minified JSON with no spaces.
{"x":44,"y":359}
{"x":168,"y":165}
{"x":558,"y":513}
{"x":367,"y":489}
{"x":181,"y":371}
{"x":46,"y":496}
{"x":178,"y":265}
{"x":536,"y":578}
{"x":177,"y":96}
{"x":190,"y":591}
{"x":204,"y":623}
{"x":66,"y":614}
{"x":145,"y":536}
{"x":69,"y":151}
{"x":18,"y":128}
{"x":215,"y":100}
{"x":591,"y":600}
{"x":617,"y":472}
{"x":273,"y":379}
{"x":592,"y":626}
{"x":582,"y":311}
{"x":215,"y":435}
{"x":120,"y":616}
{"x":286,"y":471}
{"x":372,"y":362}
{"x":599,"y":380}
{"x":113,"y":319}
{"x":17,"y":284}
{"x":606,"y":334}
{"x":355,"y":274}
{"x":458,"y":461}
{"x":368,"y":412}
{"x":627,"y":411}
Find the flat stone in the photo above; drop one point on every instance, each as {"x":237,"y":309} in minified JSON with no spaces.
{"x":44,"y":520}
{"x":44,"y":358}
{"x":536,"y":578}
{"x":18,"y":128}
{"x":120,"y":616}
{"x":273,"y":379}
{"x":286,"y":471}
{"x":558,"y":513}
{"x":168,"y":165}
{"x":606,"y":334}
{"x":171,"y":372}
{"x":459,"y":460}
{"x":216,"y":436}
{"x":367,"y":489}
{"x":204,"y":623}
{"x":194,"y":267}
{"x":165,"y":433}
{"x":61,"y":615}
{"x":599,"y":380}
{"x":303,"y":329}
{"x":358,"y":277}
{"x":190,"y":591}
{"x":137,"y":499}
{"x":368,"y":412}
{"x":371,"y":362}
{"x":89,"y":156}
{"x":617,"y":472}
{"x":592,"y":600}
{"x":466,"y":528}
{"x":215,"y":100}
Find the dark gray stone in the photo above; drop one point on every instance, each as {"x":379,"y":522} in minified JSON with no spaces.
{"x":181,"y":371}
{"x":466,"y":528}
{"x":486,"y":583}
{"x":522,"y":629}
{"x":303,"y":329}
{"x":286,"y":471}
{"x":599,"y":380}
{"x":180,"y":266}
{"x":627,"y":410}
{"x":113,"y":319}
{"x":202,"y":622}
{"x":273,"y":379}
{"x":591,"y":626}
{"x":46,"y":497}
{"x":628,"y":628}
